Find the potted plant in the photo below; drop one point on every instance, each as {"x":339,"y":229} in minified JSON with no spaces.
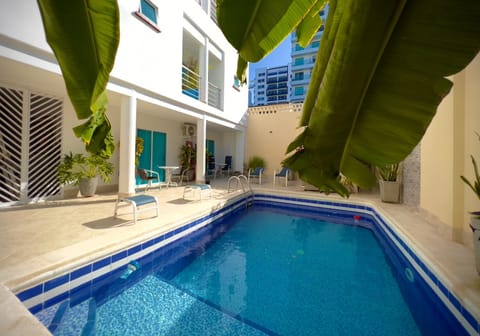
{"x":186,"y":158}
{"x":82,"y":170}
{"x":256,"y":162}
{"x":475,"y":215}
{"x":390,"y":187}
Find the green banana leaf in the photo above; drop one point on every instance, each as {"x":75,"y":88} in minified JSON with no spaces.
{"x":256,"y":27}
{"x":84,"y":36}
{"x":377,"y":82}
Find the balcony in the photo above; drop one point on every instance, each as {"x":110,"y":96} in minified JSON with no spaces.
{"x":190,"y":83}
{"x":192,"y":87}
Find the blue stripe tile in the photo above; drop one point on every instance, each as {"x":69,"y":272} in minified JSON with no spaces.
{"x":119,"y":256}
{"x":148,"y":244}
{"x":56,"y":299}
{"x":80,"y":272}
{"x":101,"y":263}
{"x":30,"y":293}
{"x":36,"y":309}
{"x":61,"y":280}
{"x":159,"y":239}
{"x":134,"y":250}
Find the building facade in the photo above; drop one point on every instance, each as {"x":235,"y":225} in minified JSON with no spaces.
{"x":303,"y":60}
{"x":271,"y":85}
{"x":174,"y":71}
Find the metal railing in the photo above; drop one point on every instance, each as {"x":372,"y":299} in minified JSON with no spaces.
{"x":190,"y":83}
{"x":241,"y":180}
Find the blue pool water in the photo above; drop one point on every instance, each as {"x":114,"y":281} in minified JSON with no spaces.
{"x":264,"y":271}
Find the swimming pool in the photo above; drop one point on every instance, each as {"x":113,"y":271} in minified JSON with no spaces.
{"x":189,"y":304}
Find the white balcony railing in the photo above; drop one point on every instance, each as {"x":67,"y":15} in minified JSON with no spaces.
{"x":190,"y":83}
{"x":192,"y":86}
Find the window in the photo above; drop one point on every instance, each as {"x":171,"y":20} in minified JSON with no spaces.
{"x":299,"y":61}
{"x":236,"y":83}
{"x":299,"y":91}
{"x":147,"y":12}
{"x":299,"y":76}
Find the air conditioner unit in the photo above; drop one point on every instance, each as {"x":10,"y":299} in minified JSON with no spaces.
{"x":189,"y":130}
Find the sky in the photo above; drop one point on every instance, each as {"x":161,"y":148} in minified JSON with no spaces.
{"x":279,"y":56}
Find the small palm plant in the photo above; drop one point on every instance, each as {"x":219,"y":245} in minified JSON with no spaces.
{"x":388,"y":172}
{"x":475,"y":184}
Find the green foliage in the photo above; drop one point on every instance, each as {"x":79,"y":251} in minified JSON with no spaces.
{"x":84,"y":37}
{"x":379,"y":76}
{"x":255,"y":162}
{"x":389,"y":172}
{"x":138,"y":150}
{"x":186,"y":157}
{"x":475,"y":184}
{"x":75,"y":167}
{"x":255,"y":28}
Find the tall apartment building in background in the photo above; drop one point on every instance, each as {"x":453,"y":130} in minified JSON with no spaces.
{"x":271,"y":85}
{"x":303,"y":60}
{"x":268,"y":86}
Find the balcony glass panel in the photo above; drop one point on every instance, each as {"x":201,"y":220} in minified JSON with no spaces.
{"x":299,"y":61}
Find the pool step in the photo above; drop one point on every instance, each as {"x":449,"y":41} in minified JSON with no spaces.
{"x":89,"y":328}
{"x":57,"y":319}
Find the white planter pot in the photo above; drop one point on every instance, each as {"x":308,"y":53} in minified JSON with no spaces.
{"x":390,"y":191}
{"x":88,"y":186}
{"x":475,"y":226}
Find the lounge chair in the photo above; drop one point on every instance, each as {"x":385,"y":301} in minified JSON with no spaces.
{"x":255,"y":173}
{"x":285,"y":172}
{"x":138,"y":203}
{"x":148,"y":176}
{"x":203,"y":190}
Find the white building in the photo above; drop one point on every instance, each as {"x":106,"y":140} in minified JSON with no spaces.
{"x":173,"y":81}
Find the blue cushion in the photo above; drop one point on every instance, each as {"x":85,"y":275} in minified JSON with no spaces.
{"x":141,"y":199}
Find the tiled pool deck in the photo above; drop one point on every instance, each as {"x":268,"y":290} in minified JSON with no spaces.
{"x":44,"y":240}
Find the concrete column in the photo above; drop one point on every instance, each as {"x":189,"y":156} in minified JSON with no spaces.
{"x":203,"y":71}
{"x":128,"y":133}
{"x":458,"y":162}
{"x":239,"y":157}
{"x":201,"y":150}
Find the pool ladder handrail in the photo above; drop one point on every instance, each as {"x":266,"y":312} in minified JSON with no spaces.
{"x":239,"y":179}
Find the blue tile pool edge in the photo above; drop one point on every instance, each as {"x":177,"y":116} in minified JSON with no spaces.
{"x":53,"y":291}
{"x":58,"y":289}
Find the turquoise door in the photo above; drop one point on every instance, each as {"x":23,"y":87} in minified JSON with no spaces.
{"x":210,"y":144}
{"x":154,"y":152}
